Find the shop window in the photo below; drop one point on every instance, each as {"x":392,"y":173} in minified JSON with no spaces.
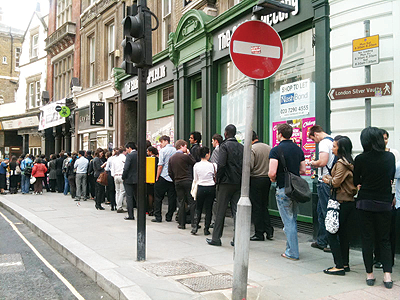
{"x":111,"y":49}
{"x":17,"y":56}
{"x":63,"y":71}
{"x":159,"y":127}
{"x":64,"y":11}
{"x":34,"y":45}
{"x":168,"y":94}
{"x":166,"y":26}
{"x":92,"y":55}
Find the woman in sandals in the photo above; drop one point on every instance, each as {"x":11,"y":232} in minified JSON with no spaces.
{"x":341,"y":182}
{"x":374,"y":169}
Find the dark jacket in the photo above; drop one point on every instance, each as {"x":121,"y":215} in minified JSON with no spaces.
{"x":195,"y":152}
{"x":129,"y":175}
{"x":59,"y":165}
{"x":230,"y":161}
{"x":97,"y":162}
{"x":180,"y":167}
{"x":52,"y":169}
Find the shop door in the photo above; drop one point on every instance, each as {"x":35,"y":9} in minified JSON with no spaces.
{"x":196,"y":105}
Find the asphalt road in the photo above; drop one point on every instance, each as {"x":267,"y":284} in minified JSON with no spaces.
{"x":24,"y":276}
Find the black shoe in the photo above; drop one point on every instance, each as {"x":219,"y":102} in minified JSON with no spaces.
{"x":168,"y":220}
{"x":233,"y":243}
{"x":121,"y":210}
{"x":370,"y":282}
{"x":257,"y":238}
{"x":213,"y":243}
{"x":156,"y":220}
{"x":194,"y":230}
{"x":112,"y":208}
{"x":127,"y":218}
{"x":317,"y":246}
{"x":100,"y":207}
{"x":378,"y":265}
{"x":328,"y":250}
{"x":338,"y":272}
{"x":212,"y":225}
{"x":206,"y":231}
{"x":347,"y":269}
{"x":388,"y":284}
{"x":181,"y":227}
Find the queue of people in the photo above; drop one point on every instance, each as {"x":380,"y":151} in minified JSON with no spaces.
{"x":196,"y":180}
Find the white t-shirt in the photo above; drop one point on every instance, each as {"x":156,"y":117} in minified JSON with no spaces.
{"x":325,"y":146}
{"x":203,"y":173}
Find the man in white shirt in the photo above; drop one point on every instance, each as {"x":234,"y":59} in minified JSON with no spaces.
{"x":81,"y":166}
{"x":117,"y":168}
{"x":324,"y":164}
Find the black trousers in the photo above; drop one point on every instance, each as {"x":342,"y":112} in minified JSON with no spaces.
{"x":110,"y":190}
{"x":259,"y":197}
{"x":226,"y":193}
{"x":340,"y":247}
{"x":53,"y":184}
{"x":376,"y":224}
{"x":72,"y":185}
{"x":100,"y":193}
{"x":185,"y":198}
{"x":377,"y":250}
{"x":161,"y":187}
{"x":60,"y":183}
{"x":130,"y":193}
{"x":205,"y":198}
{"x":91,"y":186}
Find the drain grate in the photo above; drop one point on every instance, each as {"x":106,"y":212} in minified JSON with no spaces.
{"x":11,"y":263}
{"x":173,"y":268}
{"x":208,"y":283}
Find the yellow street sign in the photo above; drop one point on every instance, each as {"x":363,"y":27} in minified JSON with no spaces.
{"x":366,"y":43}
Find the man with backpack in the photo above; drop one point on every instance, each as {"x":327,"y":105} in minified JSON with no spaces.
{"x":26,"y":168}
{"x":66,"y":161}
{"x":324,"y":164}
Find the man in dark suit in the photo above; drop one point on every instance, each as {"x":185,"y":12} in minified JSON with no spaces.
{"x":129,"y":176}
{"x":59,"y":173}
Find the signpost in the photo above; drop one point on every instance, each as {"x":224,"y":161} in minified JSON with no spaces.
{"x":366,"y":51}
{"x":361,"y":91}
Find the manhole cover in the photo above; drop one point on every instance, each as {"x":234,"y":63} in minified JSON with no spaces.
{"x":173,"y":268}
{"x":11,"y":263}
{"x":208,"y":283}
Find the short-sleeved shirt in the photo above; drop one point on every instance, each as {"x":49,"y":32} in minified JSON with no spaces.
{"x":164,"y":156}
{"x":326,"y":146}
{"x":293,"y":157}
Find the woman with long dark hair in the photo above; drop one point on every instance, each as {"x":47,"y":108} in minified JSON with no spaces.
{"x":343,"y":190}
{"x":98,"y":168}
{"x":13,"y":175}
{"x":374,"y":169}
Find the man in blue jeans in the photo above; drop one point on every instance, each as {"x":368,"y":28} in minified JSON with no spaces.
{"x":324,"y":164}
{"x":26,"y":168}
{"x":294,"y":160}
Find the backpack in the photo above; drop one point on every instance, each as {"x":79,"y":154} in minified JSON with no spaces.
{"x":90,"y":168}
{"x":28,"y":169}
{"x":334,"y":159}
{"x":65,"y":165}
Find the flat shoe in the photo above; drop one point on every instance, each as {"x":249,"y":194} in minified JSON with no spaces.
{"x":257,"y":238}
{"x":388,"y":284}
{"x":370,"y":282}
{"x":127,"y":218}
{"x":213,"y":243}
{"x":291,"y":258}
{"x":338,"y":272}
{"x":347,"y":269}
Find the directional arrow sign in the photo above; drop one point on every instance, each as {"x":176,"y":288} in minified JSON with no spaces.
{"x":361,"y":91}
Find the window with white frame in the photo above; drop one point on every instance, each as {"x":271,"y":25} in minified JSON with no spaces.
{"x":64,"y":11}
{"x":34,"y":45}
{"x":166,"y":26}
{"x":111,"y":49}
{"x":63,"y":71}
{"x":34,"y":94}
{"x":4,"y":60}
{"x":168,"y":94}
{"x":92,"y":52}
{"x":17,"y":56}
{"x":187,"y":2}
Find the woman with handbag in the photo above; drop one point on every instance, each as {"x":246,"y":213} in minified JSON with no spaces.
{"x":343,"y":191}
{"x":38,"y":171}
{"x":374,"y":169}
{"x":98,"y":168}
{"x":204,"y":177}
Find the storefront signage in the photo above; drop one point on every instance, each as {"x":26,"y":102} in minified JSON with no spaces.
{"x":20,"y":123}
{"x":300,"y":137}
{"x":83,"y":118}
{"x":295,"y":98}
{"x":49,"y":117}
{"x":154,"y":75}
{"x":366,"y":51}
{"x":110,"y":114}
{"x":97,"y":113}
{"x":361,"y":91}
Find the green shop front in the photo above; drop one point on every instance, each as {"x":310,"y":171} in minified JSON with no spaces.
{"x":210,"y":91}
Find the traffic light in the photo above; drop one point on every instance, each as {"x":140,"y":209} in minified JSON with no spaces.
{"x":137,"y":43}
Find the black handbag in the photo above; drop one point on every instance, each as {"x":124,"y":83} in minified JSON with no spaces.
{"x":296,"y":188}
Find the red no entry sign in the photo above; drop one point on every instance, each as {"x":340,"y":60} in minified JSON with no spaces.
{"x":256,"y":49}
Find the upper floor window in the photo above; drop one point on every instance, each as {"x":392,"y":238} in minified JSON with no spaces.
{"x":111,"y":49}
{"x":63,"y":70}
{"x":64,"y":11}
{"x":168,"y":94}
{"x":92,"y":55}
{"x":187,"y":2}
{"x":34,"y":45}
{"x":166,"y":26}
{"x":34,"y":94}
{"x":17,"y":56}
{"x":4,"y":60}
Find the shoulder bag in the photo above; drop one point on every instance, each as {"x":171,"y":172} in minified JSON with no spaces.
{"x":332,"y":214}
{"x":296,"y":188}
{"x":103,"y":179}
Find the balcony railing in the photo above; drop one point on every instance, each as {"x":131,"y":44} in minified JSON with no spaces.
{"x":66,"y":31}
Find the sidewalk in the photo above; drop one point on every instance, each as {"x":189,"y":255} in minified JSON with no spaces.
{"x":103,"y":245}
